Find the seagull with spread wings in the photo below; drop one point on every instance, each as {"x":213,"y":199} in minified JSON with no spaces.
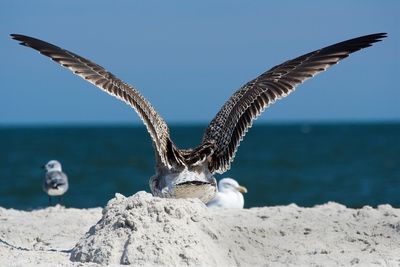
{"x":189,"y":173}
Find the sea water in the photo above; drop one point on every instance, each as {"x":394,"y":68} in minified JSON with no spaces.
{"x":355,"y":164}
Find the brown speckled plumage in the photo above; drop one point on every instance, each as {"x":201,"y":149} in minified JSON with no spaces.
{"x":181,"y":172}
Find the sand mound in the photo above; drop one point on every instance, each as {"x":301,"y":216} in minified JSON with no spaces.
{"x":145,"y":230}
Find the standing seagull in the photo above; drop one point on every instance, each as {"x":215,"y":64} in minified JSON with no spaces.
{"x":229,"y":195}
{"x":188,"y":173}
{"x":55,"y":182}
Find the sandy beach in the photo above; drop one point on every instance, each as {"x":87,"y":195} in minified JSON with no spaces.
{"x":144,"y":230}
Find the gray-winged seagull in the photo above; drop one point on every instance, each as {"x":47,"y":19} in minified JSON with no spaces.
{"x":55,"y":182}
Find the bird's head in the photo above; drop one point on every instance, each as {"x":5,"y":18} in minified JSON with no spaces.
{"x":229,"y":184}
{"x":52,"y":165}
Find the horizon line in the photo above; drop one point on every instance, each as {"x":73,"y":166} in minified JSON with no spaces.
{"x":195,"y":123}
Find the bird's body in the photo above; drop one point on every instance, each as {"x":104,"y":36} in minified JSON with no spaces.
{"x":190,"y":172}
{"x":55,"y":182}
{"x":193,"y":182}
{"x":229,"y":195}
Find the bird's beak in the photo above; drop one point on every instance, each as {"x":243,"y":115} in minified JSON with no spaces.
{"x":242,"y":189}
{"x":43,"y":166}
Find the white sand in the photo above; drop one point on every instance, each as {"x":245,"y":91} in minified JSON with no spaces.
{"x":143,"y":230}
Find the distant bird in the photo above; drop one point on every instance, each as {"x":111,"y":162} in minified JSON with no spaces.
{"x":229,"y":195}
{"x":55,"y":182}
{"x":188,"y":173}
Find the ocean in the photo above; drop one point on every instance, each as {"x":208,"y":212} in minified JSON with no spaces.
{"x":355,"y":164}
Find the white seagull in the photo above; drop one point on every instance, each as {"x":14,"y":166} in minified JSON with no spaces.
{"x":55,"y":182}
{"x":229,"y":195}
{"x":189,"y":173}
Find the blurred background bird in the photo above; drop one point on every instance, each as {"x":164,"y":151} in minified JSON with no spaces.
{"x":55,"y":182}
{"x":229,"y":195}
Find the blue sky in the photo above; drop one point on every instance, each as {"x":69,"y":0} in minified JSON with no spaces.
{"x":188,"y":57}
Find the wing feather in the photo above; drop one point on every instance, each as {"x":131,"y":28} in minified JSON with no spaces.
{"x":231,"y":123}
{"x":106,"y":81}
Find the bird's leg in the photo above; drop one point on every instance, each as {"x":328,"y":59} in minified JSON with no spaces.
{"x":49,"y":200}
{"x":60,"y":199}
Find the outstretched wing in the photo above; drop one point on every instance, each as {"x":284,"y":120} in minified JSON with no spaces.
{"x":231,"y":123}
{"x":106,"y":81}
